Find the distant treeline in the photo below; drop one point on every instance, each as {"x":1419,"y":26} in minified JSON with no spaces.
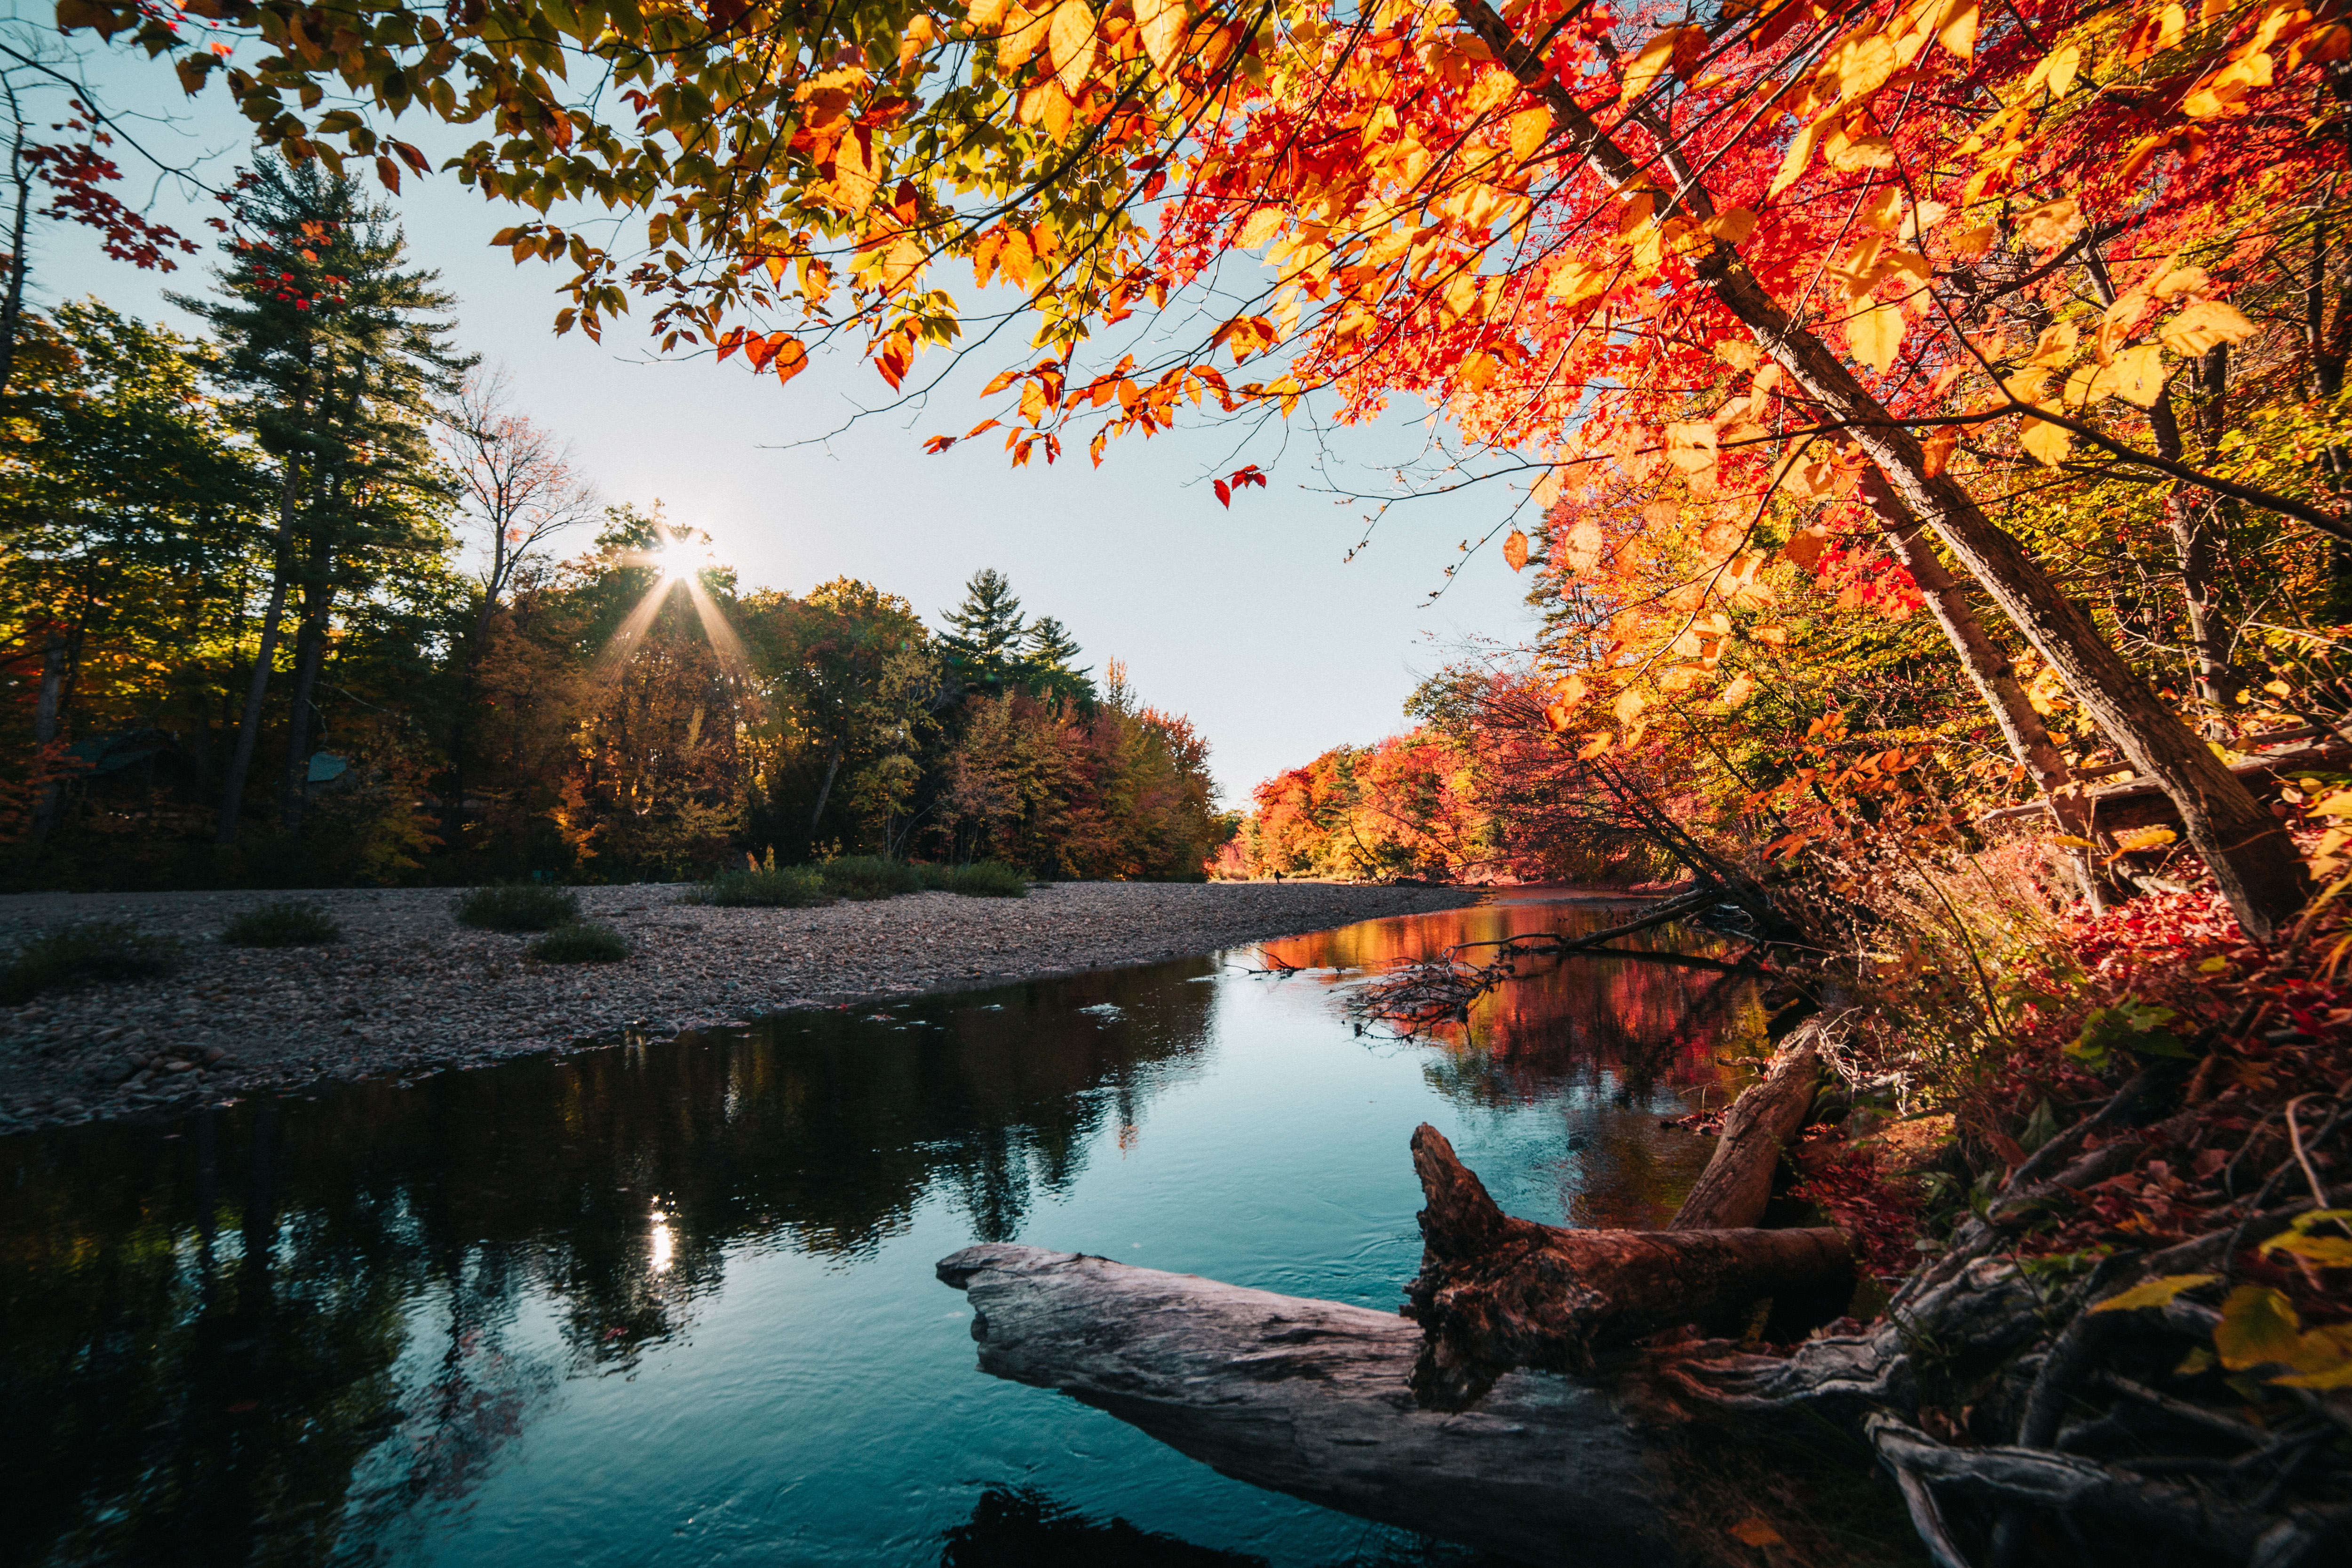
{"x":293,"y":604}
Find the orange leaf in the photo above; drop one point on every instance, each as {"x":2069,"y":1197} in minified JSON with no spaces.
{"x":790,"y":358}
{"x":1515,"y":550}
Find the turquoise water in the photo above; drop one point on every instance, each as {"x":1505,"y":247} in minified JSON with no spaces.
{"x":673,"y":1303}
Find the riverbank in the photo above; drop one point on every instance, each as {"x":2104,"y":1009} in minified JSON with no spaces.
{"x":408,"y":990}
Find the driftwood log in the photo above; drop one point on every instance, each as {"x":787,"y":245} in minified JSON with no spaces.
{"x":1314,"y":1398}
{"x":1760,"y":1126}
{"x":1495,"y":1293}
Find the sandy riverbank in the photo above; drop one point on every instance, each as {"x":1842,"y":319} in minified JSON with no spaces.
{"x":407,"y":989}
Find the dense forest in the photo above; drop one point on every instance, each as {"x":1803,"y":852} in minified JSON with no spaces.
{"x":305,"y":600}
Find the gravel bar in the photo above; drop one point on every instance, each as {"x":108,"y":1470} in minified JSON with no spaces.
{"x":408,"y":989}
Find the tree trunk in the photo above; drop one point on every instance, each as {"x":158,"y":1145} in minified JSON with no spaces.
{"x":1995,"y":677}
{"x":1761,"y":1127}
{"x":12,"y":309}
{"x":310,"y":654}
{"x":2253,"y":861}
{"x":824,"y":791}
{"x":248,"y":729}
{"x":48,"y":714}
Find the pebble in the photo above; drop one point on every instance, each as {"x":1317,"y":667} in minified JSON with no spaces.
{"x":408,"y":990}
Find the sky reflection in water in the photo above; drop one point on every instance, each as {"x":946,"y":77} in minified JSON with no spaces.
{"x":674,"y":1303}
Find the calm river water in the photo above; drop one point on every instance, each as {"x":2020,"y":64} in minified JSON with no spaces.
{"x":672,"y":1304}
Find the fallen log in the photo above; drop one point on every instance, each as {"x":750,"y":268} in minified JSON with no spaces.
{"x":1313,"y":1399}
{"x":1761,"y":1124}
{"x":1496,"y":1292}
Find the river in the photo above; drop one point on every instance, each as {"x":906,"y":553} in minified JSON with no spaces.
{"x":673,"y":1303}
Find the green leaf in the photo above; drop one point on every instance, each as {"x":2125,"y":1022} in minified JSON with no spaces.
{"x":2153,"y":1292}
{"x":2130,"y":1025}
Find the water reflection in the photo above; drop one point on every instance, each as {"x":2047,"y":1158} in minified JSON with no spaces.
{"x":426,"y":1322}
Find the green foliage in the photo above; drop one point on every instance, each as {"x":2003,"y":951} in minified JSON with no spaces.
{"x":2130,"y":1026}
{"x":88,"y":952}
{"x":579,"y":944}
{"x":761,"y":887}
{"x":516,"y":907}
{"x":866,"y":877}
{"x":283,"y":922}
{"x":981,"y":879}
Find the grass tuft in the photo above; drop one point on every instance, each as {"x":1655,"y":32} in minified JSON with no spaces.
{"x":579,"y":944}
{"x":769,"y":886}
{"x":869,"y":877}
{"x":981,"y":879}
{"x":517,"y":906}
{"x":88,"y":952}
{"x":283,"y":922}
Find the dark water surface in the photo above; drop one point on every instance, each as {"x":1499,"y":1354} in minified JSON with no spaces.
{"x":673,"y":1303}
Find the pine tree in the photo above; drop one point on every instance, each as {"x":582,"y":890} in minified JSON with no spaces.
{"x":987,"y":639}
{"x":340,"y":351}
{"x":1049,"y":655}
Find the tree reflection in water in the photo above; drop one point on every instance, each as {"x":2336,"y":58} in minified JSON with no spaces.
{"x":297,"y":1331}
{"x":221,"y":1335}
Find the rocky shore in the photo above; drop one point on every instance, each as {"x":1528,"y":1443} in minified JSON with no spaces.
{"x":408,"y":990}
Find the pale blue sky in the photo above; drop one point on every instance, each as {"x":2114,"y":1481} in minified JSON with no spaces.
{"x":1247,"y":620}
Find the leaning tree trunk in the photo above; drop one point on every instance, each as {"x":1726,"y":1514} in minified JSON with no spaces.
{"x":49,"y":714}
{"x":1758,"y":1130}
{"x":2253,"y":861}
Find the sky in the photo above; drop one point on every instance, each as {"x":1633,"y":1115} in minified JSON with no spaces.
{"x":1250,"y":621}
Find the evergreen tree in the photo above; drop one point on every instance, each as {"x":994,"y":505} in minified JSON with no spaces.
{"x":987,"y":642}
{"x":1049,"y":667}
{"x":340,"y":351}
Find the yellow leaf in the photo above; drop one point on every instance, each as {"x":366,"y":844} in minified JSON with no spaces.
{"x":918,"y":38}
{"x":1530,"y":129}
{"x":2180,"y":280}
{"x":1884,"y":212}
{"x":2336,"y":804}
{"x":2149,"y":1292}
{"x":1793,"y":162}
{"x":2065,"y":61}
{"x":2068,"y":841}
{"x":2051,"y":226}
{"x":2319,"y":1251}
{"x":1583,"y":545}
{"x":1876,"y":335}
{"x":986,"y":16}
{"x":1070,"y":44}
{"x":1165,"y":25}
{"x":1738,"y":691}
{"x":1732,"y":225}
{"x":1515,"y":550}
{"x":1024,"y":33}
{"x":2056,"y":345}
{"x":1691,"y":446}
{"x":1957,"y":31}
{"x":2137,"y":375}
{"x":1657,"y":57}
{"x":2137,"y":840}
{"x":1263,"y":226}
{"x":1627,"y":706}
{"x":1968,"y":244}
{"x":2201,"y":326}
{"x":1574,"y":281}
{"x":1594,"y":745}
{"x":2046,"y":443}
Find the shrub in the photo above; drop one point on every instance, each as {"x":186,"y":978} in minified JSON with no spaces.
{"x":88,"y":952}
{"x":767,"y":887}
{"x":981,"y":879}
{"x":517,"y":906}
{"x":283,"y":922}
{"x":869,"y":877}
{"x":579,"y":944}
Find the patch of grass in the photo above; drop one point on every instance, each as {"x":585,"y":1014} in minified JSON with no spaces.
{"x":761,"y":887}
{"x":282,"y":922}
{"x":517,"y":906}
{"x":88,"y":952}
{"x":579,"y":944}
{"x":981,"y":879}
{"x":869,"y":877}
